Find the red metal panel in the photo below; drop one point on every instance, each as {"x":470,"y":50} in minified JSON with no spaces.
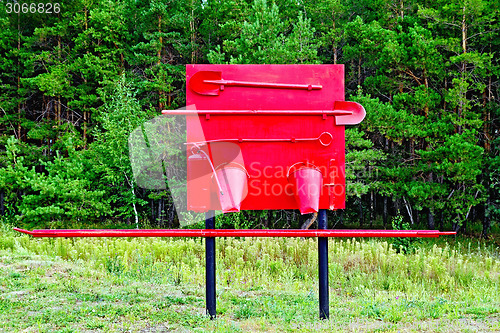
{"x":232,"y":233}
{"x":267,"y":163}
{"x":278,"y":116}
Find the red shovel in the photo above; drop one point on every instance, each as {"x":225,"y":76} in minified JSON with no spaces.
{"x":211,"y":83}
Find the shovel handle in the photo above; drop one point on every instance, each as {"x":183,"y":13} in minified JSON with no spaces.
{"x":223,"y":83}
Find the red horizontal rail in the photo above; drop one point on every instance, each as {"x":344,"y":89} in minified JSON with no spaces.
{"x":232,"y":233}
{"x":259,"y":112}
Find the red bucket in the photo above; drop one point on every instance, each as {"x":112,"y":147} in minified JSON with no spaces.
{"x":233,"y":187}
{"x":307,"y":182}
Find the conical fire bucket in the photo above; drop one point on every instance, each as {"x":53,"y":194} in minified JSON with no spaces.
{"x":233,"y":186}
{"x":307,"y":181}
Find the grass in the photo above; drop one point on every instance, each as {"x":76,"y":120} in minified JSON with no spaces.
{"x":158,"y":285}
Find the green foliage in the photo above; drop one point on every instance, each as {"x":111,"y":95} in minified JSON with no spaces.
{"x":493,"y":210}
{"x":361,"y":163}
{"x":404,"y":245}
{"x":427,"y":74}
{"x":60,"y":194}
{"x":119,"y":116}
{"x":63,"y":195}
{"x":263,"y":39}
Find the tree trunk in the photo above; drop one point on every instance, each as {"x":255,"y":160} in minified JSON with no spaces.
{"x":85,"y":116}
{"x":171,"y":209}
{"x":193,"y":34}
{"x":58,"y":106}
{"x":397,"y":206}
{"x":132,"y":190}
{"x":158,"y":61}
{"x":136,"y":215}
{"x":463,"y":94}
{"x":372,"y":208}
{"x":334,"y":47}
{"x":161,"y":93}
{"x":464,"y":35}
{"x":409,"y":211}
{"x":486,"y":219}
{"x":19,"y":134}
{"x":307,"y":224}
{"x":58,"y":110}
{"x":153,"y":217}
{"x":2,"y":207}
{"x":360,"y":208}
{"x":85,"y":128}
{"x":430,"y":220}
{"x":161,"y":209}
{"x":385,"y":213}
{"x":359,"y":71}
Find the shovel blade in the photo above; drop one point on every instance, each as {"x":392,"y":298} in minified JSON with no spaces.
{"x":198,"y":85}
{"x":355,"y":113}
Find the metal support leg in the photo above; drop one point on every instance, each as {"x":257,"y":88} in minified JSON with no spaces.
{"x":210,"y":266}
{"x":324,"y":311}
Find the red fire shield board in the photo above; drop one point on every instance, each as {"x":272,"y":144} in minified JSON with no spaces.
{"x":266,"y":136}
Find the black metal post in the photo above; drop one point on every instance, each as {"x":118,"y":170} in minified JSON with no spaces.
{"x":210,"y":266}
{"x":324,"y":310}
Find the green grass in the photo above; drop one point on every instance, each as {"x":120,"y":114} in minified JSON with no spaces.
{"x":156,"y":285}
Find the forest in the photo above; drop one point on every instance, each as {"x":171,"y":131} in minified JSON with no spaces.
{"x":76,"y":81}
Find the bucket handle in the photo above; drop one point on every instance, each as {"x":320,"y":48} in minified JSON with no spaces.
{"x":228,"y":163}
{"x":307,"y":164}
